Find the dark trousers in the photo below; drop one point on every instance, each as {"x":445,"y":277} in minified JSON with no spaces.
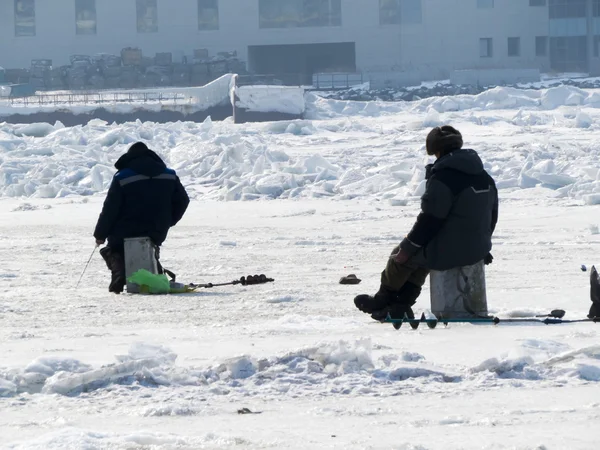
{"x":397,"y":275}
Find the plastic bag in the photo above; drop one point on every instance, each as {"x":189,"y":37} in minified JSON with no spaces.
{"x":150,"y":283}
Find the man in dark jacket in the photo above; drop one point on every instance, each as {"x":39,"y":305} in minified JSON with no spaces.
{"x":145,"y":199}
{"x":459,"y":212}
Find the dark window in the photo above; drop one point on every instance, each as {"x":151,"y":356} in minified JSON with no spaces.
{"x":537,"y":2}
{"x":147,"y":16}
{"x":514,"y":46}
{"x":394,"y":12}
{"x":596,"y":46}
{"x":24,"y":18}
{"x":389,"y":12}
{"x":85,"y":16}
{"x":208,"y":14}
{"x":299,"y":13}
{"x":596,"y":8}
{"x":541,"y":46}
{"x":569,"y":54}
{"x":565,"y":9}
{"x":485,"y":47}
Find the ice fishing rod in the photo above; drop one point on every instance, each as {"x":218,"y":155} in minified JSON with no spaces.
{"x":549,"y":319}
{"x":86,"y":266}
{"x":250,"y":280}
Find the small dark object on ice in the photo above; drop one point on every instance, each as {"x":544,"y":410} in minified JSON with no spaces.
{"x":247,"y":411}
{"x":350,"y":279}
{"x":583,"y":268}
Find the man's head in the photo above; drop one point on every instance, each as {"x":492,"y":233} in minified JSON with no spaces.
{"x":442,"y":140}
{"x":138,"y":147}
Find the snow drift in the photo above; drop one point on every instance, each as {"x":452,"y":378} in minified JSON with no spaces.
{"x":374,"y":149}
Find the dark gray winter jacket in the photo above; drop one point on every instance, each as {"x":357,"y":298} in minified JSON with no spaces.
{"x":459,"y":211}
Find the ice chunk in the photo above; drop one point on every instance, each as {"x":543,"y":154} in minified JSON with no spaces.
{"x":7,"y":388}
{"x":49,"y":365}
{"x":583,"y":120}
{"x":34,"y":130}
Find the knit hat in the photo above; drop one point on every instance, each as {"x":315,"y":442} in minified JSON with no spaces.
{"x":442,"y":140}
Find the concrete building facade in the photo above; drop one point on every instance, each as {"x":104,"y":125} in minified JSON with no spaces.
{"x":424,"y":38}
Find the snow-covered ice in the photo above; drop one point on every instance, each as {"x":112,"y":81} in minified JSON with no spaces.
{"x":343,"y":150}
{"x":293,"y":364}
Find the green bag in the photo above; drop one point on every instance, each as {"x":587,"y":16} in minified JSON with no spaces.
{"x":150,"y":283}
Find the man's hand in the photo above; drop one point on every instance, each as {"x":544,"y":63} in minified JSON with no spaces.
{"x":488,"y":259}
{"x":401,"y":257}
{"x":99,"y":242}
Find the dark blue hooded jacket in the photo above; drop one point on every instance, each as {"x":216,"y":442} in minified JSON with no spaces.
{"x":145,"y":198}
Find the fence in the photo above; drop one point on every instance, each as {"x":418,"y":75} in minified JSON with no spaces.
{"x":334,"y":81}
{"x":101,"y":98}
{"x":318,"y":81}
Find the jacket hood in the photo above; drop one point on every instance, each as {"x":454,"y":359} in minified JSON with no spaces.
{"x":142,"y":160}
{"x":463,"y":160}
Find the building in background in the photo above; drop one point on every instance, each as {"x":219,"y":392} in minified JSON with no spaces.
{"x":404,"y":41}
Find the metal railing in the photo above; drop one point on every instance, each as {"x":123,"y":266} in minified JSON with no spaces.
{"x":318,"y":81}
{"x":280,"y":79}
{"x":101,"y":98}
{"x":333,"y":81}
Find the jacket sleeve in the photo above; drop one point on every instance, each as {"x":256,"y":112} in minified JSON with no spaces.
{"x":495,"y":207}
{"x":110,"y":211}
{"x":435,"y":207}
{"x":180,"y":202}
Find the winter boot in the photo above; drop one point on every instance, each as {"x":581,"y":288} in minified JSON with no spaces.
{"x":401,"y":304}
{"x":116,"y":264}
{"x":371,"y":303}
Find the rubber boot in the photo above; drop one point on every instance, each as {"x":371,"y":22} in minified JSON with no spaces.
{"x":371,"y":303}
{"x":400,"y":304}
{"x":116,"y":264}
{"x":404,"y":301}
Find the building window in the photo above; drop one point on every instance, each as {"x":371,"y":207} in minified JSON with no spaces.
{"x":389,"y":12}
{"x":514,"y":46}
{"x":537,"y":2}
{"x":208,"y":14}
{"x":485,"y":47}
{"x":85,"y":16}
{"x":24,"y":18}
{"x":394,"y":12}
{"x":596,"y":8}
{"x":299,"y":13}
{"x":147,"y":16}
{"x":596,"y":46}
{"x":484,"y":4}
{"x":569,"y":54}
{"x":541,"y":46}
{"x":565,"y":9}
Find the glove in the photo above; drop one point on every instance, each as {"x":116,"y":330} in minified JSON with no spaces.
{"x":488,"y":259}
{"x":401,"y":257}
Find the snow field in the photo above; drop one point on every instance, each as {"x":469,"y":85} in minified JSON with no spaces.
{"x":85,"y":368}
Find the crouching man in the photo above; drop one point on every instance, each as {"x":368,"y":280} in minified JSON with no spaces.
{"x":145,"y":199}
{"x":459,"y":211}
